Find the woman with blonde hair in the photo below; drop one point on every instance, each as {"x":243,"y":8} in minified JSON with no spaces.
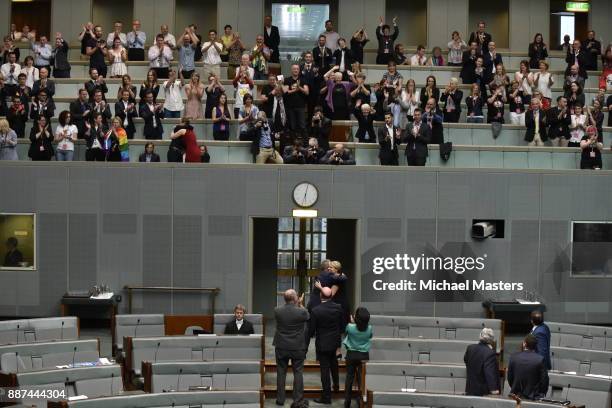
{"x":8,"y":142}
{"x":123,"y":149}
{"x":341,"y":297}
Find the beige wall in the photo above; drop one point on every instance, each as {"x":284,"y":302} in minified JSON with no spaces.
{"x":354,"y":14}
{"x":496,"y":15}
{"x":68,"y":16}
{"x":106,"y":12}
{"x":412,"y":19}
{"x":5,"y":16}
{"x":245,"y":16}
{"x":203,"y":13}
{"x":528,"y":17}
{"x":600,"y":20}
{"x":152,"y":14}
{"x":444,"y":17}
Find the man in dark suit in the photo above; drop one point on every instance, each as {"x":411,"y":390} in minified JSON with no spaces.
{"x":322,"y":56}
{"x":491,"y":60}
{"x":272,"y":39}
{"x":535,"y":121}
{"x":481,"y":37}
{"x":577,"y":56}
{"x":79,"y":112}
{"x":290,"y":344}
{"x":482,"y":368}
{"x":325,"y":324}
{"x":313,"y":77}
{"x":542,"y":334}
{"x":389,"y":138}
{"x":13,"y":256}
{"x":152,"y":115}
{"x":343,"y":57}
{"x":418,"y":135}
{"x":559,"y":120}
{"x":469,"y":63}
{"x":365,"y":115}
{"x":593,"y":50}
{"x":527,"y":374}
{"x":433,"y":117}
{"x":239,"y":325}
{"x":295,"y":154}
{"x":126,"y":111}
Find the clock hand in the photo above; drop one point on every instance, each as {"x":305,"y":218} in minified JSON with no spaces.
{"x":305,"y":193}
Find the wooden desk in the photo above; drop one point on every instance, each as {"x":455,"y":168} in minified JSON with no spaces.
{"x":109,"y":306}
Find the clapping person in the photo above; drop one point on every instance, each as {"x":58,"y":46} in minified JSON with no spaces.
{"x":41,"y":141}
{"x":99,"y":105}
{"x":10,"y":72}
{"x":361,"y":93}
{"x":575,"y":96}
{"x":117,"y":34}
{"x":452,"y":97}
{"x":43,"y":83}
{"x":591,"y":145}
{"x":418,"y":136}
{"x":409,"y":100}
{"x":211,"y":55}
{"x":126,"y":85}
{"x":501,"y":79}
{"x":243,"y":83}
{"x":150,"y":84}
{"x":125,"y":109}
{"x":42,"y":53}
{"x":525,"y":80}
{"x":475,"y":103}
{"x":573,"y":76}
{"x":296,"y":97}
{"x":338,"y":94}
{"x":559,"y":121}
{"x":419,"y":59}
{"x":365,"y":119}
{"x":17,"y":116}
{"x":322,"y":56}
{"x":385,"y":41}
{"x":195,"y":92}
{"x":221,"y":117}
{"x":160,"y":56}
{"x":42,"y":106}
{"x":260,"y":55}
{"x":596,"y":116}
{"x":593,"y":50}
{"x":8,"y":142}
{"x":79,"y":112}
{"x":430,"y":90}
{"x":579,"y":122}
{"x":95,"y":83}
{"x":577,"y":56}
{"x":136,"y":41}
{"x":535,"y":121}
{"x":173,"y":96}
{"x":543,"y":82}
{"x":31,"y":72}
{"x":59,"y":58}
{"x":358,"y":42}
{"x":152,"y":113}
{"x":516,"y":101}
{"x":235,"y":48}
{"x":96,"y":50}
{"x":470,"y":56}
{"x":247,"y":116}
{"x":392,"y":78}
{"x":389,"y":138}
{"x":495,"y":105}
{"x":343,"y":58}
{"x":537,"y":51}
{"x":456,"y":47}
{"x":9,"y":47}
{"x":117,"y":56}
{"x":213,"y":90}
{"x":167,"y":37}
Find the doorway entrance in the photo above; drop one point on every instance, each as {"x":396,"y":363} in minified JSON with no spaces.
{"x":275,"y":251}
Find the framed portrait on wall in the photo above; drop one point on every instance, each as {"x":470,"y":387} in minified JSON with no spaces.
{"x":18,"y":241}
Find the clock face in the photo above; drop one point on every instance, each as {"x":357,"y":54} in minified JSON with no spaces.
{"x":305,"y":194}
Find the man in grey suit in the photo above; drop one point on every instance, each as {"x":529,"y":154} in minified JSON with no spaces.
{"x":290,"y":344}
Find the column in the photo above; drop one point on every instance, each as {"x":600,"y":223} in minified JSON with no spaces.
{"x":599,"y":20}
{"x":526,"y":18}
{"x":353,"y":14}
{"x":5,"y":20}
{"x":69,"y":16}
{"x":444,"y":17}
{"x":152,"y":14}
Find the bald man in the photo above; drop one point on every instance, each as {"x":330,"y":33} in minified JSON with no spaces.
{"x":290,"y":344}
{"x":326,"y":326}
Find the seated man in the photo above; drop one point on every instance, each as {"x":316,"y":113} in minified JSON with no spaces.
{"x":239,"y":325}
{"x":295,"y":154}
{"x":13,"y":256}
{"x":339,"y":156}
{"x":527,"y":373}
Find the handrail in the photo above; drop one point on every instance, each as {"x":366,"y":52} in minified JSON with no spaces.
{"x":130,"y":289}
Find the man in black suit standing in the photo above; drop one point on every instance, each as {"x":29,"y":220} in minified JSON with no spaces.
{"x":527,"y":373}
{"x":389,"y":138}
{"x":482,"y":368}
{"x":80,"y":110}
{"x":491,"y":60}
{"x":577,"y":56}
{"x":325,"y":324}
{"x":322,"y":56}
{"x":239,"y":325}
{"x":481,"y":37}
{"x":126,"y":111}
{"x":152,"y":114}
{"x":418,"y":135}
{"x":290,"y":344}
{"x":272,"y":39}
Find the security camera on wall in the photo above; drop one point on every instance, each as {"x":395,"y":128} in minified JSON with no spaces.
{"x":483,"y":230}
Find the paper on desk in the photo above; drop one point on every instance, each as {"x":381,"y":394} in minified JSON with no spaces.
{"x":77,"y":398}
{"x":103,"y":296}
{"x":527,"y":302}
{"x":409,"y":390}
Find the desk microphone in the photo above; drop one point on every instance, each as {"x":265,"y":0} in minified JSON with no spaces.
{"x":74,"y":356}
{"x":215,"y":349}
{"x":17,"y":361}
{"x":553,"y":360}
{"x":605,"y":340}
{"x":17,"y":342}
{"x":156,"y":350}
{"x":393,"y":326}
{"x":454,"y":387}
{"x":405,"y":379}
{"x":411,"y":357}
{"x":226,"y":375}
{"x":136,"y":328}
{"x":610,"y":367}
{"x":111,"y":383}
{"x":567,"y":392}
{"x":62,"y":332}
{"x":178,"y":379}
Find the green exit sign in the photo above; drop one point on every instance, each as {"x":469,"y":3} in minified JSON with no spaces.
{"x":577,"y":7}
{"x":296,"y":9}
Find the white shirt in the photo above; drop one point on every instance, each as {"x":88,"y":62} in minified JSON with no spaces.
{"x":524,"y":83}
{"x":174,"y":97}
{"x":160,"y":60}
{"x":169,"y":39}
{"x":31,"y":75}
{"x":211,"y":56}
{"x":10,"y":79}
{"x":575,"y":133}
{"x":71,"y":133}
{"x":125,"y":105}
{"x":152,"y":109}
{"x":391,"y":134}
{"x":111,"y":38}
{"x":542,"y":84}
{"x":239,"y":323}
{"x":416,"y":60}
{"x":250,"y":70}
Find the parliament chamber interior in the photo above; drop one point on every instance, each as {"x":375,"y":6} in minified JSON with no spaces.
{"x":349,"y":203}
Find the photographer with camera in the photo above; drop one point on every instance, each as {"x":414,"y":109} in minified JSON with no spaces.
{"x":262,"y":146}
{"x":338,"y":156}
{"x":313,"y":152}
{"x":320,"y":128}
{"x":295,"y":154}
